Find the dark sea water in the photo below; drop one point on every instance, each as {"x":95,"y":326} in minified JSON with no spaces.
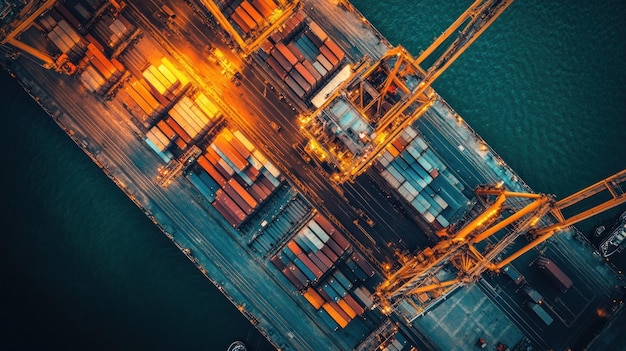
{"x":82,"y":268}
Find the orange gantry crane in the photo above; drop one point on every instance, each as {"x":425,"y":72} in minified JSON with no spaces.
{"x":389,"y":122}
{"x":507,"y":216}
{"x":61,"y":63}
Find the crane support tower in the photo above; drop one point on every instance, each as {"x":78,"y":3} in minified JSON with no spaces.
{"x":462,"y":256}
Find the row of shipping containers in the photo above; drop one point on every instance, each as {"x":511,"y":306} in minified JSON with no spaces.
{"x":409,"y":166}
{"x":113,"y":30}
{"x":186,"y":120}
{"x":272,"y":226}
{"x":315,"y":261}
{"x":302,"y":55}
{"x":249,"y":16}
{"x":241,"y":178}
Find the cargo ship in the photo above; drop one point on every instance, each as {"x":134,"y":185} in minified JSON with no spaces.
{"x":211,"y":149}
{"x":616,"y":240}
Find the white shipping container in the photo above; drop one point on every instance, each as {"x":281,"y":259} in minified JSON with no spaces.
{"x":273,"y":170}
{"x":191,"y":117}
{"x":428,"y":216}
{"x":318,"y":231}
{"x":245,"y":142}
{"x":312,"y":237}
{"x":154,"y":82}
{"x":442,"y":203}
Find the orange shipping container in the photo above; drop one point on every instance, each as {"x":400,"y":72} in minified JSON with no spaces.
{"x":346,"y":308}
{"x":256,"y":16}
{"x":335,"y":315}
{"x":204,"y":163}
{"x":181,"y":133}
{"x":314,"y":298}
{"x":166,"y":129}
{"x":293,"y":246}
{"x":243,"y":193}
{"x":230,"y":153}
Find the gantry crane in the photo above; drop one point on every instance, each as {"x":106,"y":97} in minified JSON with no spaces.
{"x":464,"y":249}
{"x":248,"y":45}
{"x":61,"y":63}
{"x":389,"y":121}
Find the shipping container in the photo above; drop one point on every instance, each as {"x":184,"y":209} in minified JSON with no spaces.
{"x":327,"y":319}
{"x":276,"y":67}
{"x":317,"y":30}
{"x":154,"y":82}
{"x":294,"y":247}
{"x":316,"y":75}
{"x":541,"y":313}
{"x":554,"y":273}
{"x":239,"y":22}
{"x":270,"y":4}
{"x":334,"y":48}
{"x":305,"y":74}
{"x":210,"y":169}
{"x":282,"y":61}
{"x":232,"y":193}
{"x":145,"y":94}
{"x":243,"y":193}
{"x":364,"y":296}
{"x":304,"y":243}
{"x":325,"y":260}
{"x":296,"y":52}
{"x":334,"y":296}
{"x":514,"y":274}
{"x":313,"y":297}
{"x":317,"y":271}
{"x":181,"y":77}
{"x":178,"y":129}
{"x":246,"y":18}
{"x":329,"y":55}
{"x":317,"y":261}
{"x":319,"y":232}
{"x":324,"y":62}
{"x":226,"y":212}
{"x":292,"y":278}
{"x":252,"y":12}
{"x":314,"y":39}
{"x":363,"y":264}
{"x":202,"y":188}
{"x":332,"y":255}
{"x":300,"y":80}
{"x":222,"y":147}
{"x":305,"y":269}
{"x":67,"y":14}
{"x":208,"y":180}
{"x":291,"y":58}
{"x":294,"y":86}
{"x":278,"y":262}
{"x":306,"y":48}
{"x":132,"y":93}
{"x":263,"y":9}
{"x":334,"y":314}
{"x":302,"y":279}
{"x":356,"y":307}
{"x":346,"y":308}
{"x":341,"y":291}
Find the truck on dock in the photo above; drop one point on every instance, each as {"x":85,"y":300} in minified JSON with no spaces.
{"x":541,"y":313}
{"x":554,"y":273}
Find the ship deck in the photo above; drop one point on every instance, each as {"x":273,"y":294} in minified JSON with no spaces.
{"x":113,"y":139}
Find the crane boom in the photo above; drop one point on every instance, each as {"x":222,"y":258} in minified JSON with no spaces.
{"x":418,"y":274}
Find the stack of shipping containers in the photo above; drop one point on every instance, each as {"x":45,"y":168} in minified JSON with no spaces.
{"x":301,"y":55}
{"x":251,"y":16}
{"x":235,"y":176}
{"x":419,"y":176}
{"x":321,"y":263}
